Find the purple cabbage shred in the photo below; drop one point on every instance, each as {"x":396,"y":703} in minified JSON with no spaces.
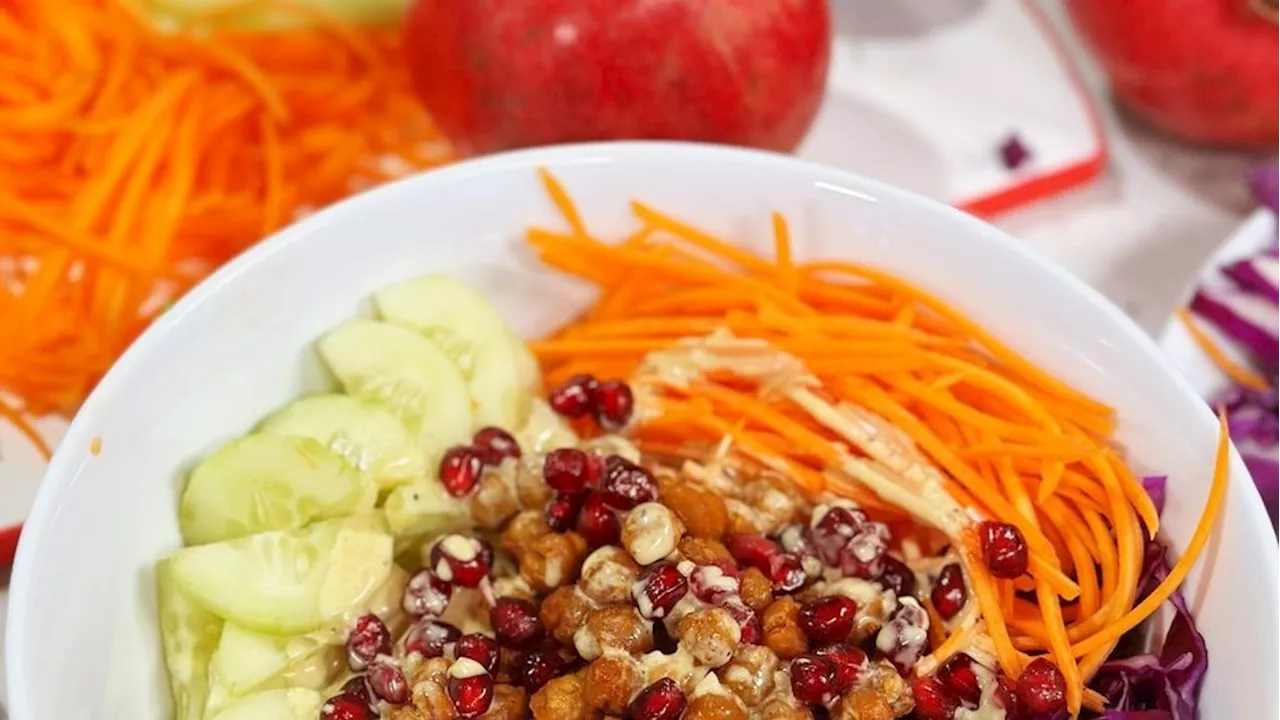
{"x":1265,"y":185}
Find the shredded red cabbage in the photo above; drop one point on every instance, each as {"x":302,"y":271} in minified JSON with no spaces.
{"x":1265,"y":185}
{"x":1244,"y":317}
{"x":1154,"y":485}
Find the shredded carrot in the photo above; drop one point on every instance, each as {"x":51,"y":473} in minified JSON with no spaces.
{"x":1008,"y":439}
{"x":137,"y":160}
{"x":1238,"y":373}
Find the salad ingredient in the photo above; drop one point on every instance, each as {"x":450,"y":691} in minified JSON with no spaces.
{"x":246,"y":659}
{"x":368,"y":639}
{"x":365,"y":433}
{"x":1014,"y":153}
{"x":1264,"y":183}
{"x":286,"y":581}
{"x":189,"y":635}
{"x":408,"y":373}
{"x":269,"y":482}
{"x":1258,"y":275}
{"x":347,"y":706}
{"x":471,"y":332}
{"x":1041,"y":688}
{"x":1203,"y":70}
{"x":536,"y":73}
{"x":240,"y":14}
{"x":1003,"y":549}
{"x":1245,"y":318}
{"x":138,"y":159}
{"x":1240,"y":374}
{"x":460,"y":470}
{"x":283,"y":704}
{"x":1009,"y":436}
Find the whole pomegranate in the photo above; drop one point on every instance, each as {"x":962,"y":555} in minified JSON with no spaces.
{"x":505,"y":74}
{"x":1201,"y":70}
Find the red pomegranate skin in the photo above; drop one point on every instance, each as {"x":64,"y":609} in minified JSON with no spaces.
{"x":501,"y":74}
{"x":1201,"y":70}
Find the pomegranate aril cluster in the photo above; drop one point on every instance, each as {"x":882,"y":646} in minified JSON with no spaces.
{"x":610,"y":402}
{"x":462,"y":466}
{"x":961,"y":682}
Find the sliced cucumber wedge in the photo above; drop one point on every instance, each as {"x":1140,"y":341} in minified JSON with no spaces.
{"x":247,"y":659}
{"x":470,"y":330}
{"x":544,"y":431}
{"x":365,"y":433}
{"x":406,"y":372}
{"x":286,"y":582}
{"x":269,"y":482}
{"x":424,"y":508}
{"x":285,"y":704}
{"x":189,"y":635}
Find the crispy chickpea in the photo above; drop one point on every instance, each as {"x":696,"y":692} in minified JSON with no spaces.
{"x":431,"y":701}
{"x":617,"y":627}
{"x":526,"y":527}
{"x":756,"y":590}
{"x":563,"y":612}
{"x":508,"y":704}
{"x":493,"y":502}
{"x":703,"y":551}
{"x":531,"y":489}
{"x":714,"y":706}
{"x":561,"y":699}
{"x":552,"y":560}
{"x":709,"y":635}
{"x":750,"y":673}
{"x":784,"y":708}
{"x":701,"y":510}
{"x":742,"y":519}
{"x":650,"y":532}
{"x":881,"y":678}
{"x":435,"y":670}
{"x":782,"y":633}
{"x":678,"y":666}
{"x":607,"y":575}
{"x":609,"y":682}
{"x":405,"y":712}
{"x":774,"y":505}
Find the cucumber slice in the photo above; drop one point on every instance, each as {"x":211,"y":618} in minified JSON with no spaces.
{"x":424,"y":508}
{"x":247,"y":659}
{"x":189,"y":635}
{"x":368,"y":435}
{"x":470,"y":331}
{"x":269,"y":482}
{"x":544,"y":431}
{"x":286,"y":582}
{"x":285,"y":704}
{"x":406,"y":372}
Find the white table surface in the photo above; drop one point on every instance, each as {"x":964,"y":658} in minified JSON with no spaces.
{"x":1139,"y":233}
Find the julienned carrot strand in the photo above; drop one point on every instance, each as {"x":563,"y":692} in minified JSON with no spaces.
{"x":564,"y":204}
{"x":717,"y":247}
{"x":1232,"y":369}
{"x":782,"y":253}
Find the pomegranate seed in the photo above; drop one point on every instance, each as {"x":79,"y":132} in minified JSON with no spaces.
{"x":715,"y":582}
{"x":1041,"y":688}
{"x":848,"y":660}
{"x":752,"y":631}
{"x":787,"y":572}
{"x":460,"y":470}
{"x":949,"y":592}
{"x":794,"y":538}
{"x":753,"y":550}
{"x":366,"y":641}
{"x":896,"y":576}
{"x":428,"y":637}
{"x":1006,"y":697}
{"x":933,"y":701}
{"x":833,"y":529}
{"x":388,"y":683}
{"x":484,"y":650}
{"x":567,"y":470}
{"x":537,"y":669}
{"x":460,"y":560}
{"x":659,"y":590}
{"x":626,"y":484}
{"x":562,"y":511}
{"x":813,"y":679}
{"x":598,"y":523}
{"x":426,"y":595}
{"x":957,"y":675}
{"x":828,"y":619}
{"x":358,"y":686}
{"x":471,"y":696}
{"x":663,"y":700}
{"x":902,"y":640}
{"x":346,"y":707}
{"x":494,"y":444}
{"x":863,"y":556}
{"x":614,"y":403}
{"x":515,"y":623}
{"x":575,"y":398}
{"x":1004,"y":551}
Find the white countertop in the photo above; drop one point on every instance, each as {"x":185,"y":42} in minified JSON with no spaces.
{"x":1138,"y":234}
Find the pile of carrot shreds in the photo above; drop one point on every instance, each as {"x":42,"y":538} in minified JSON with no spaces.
{"x":1012,"y":442}
{"x":134,"y":160}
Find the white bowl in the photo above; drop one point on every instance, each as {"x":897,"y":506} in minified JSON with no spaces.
{"x":82,"y":639}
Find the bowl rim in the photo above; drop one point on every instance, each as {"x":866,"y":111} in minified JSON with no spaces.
{"x":68,"y":455}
